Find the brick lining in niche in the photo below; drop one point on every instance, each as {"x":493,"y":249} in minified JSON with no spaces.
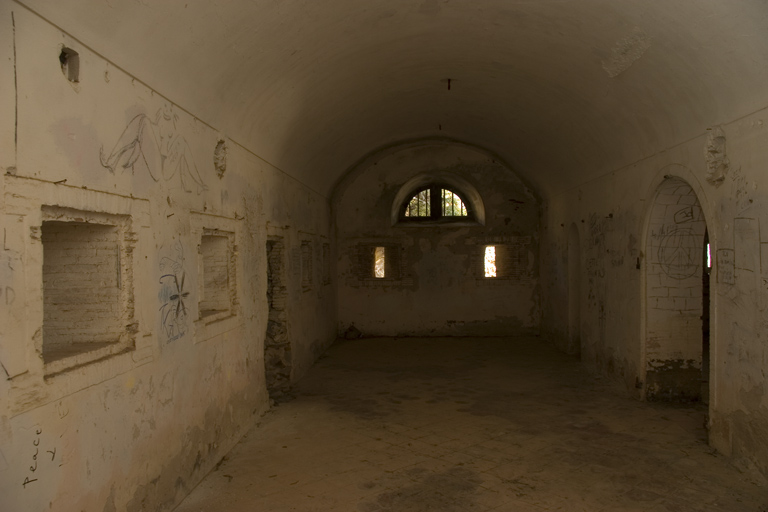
{"x":306,"y":264}
{"x":218,"y":279}
{"x":87,"y":287}
{"x":326,"y":263}
{"x":674,"y":267}
{"x":512,"y":259}
{"x":362,"y":256}
{"x":277,"y":344}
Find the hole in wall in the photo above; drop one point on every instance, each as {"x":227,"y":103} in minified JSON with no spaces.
{"x":326,"y":263}
{"x":306,"y":264}
{"x":70,"y":64}
{"x":490,"y":261}
{"x":574,"y":291}
{"x":220,"y":158}
{"x":379,"y":262}
{"x":277,"y":343}
{"x":215,"y":254}
{"x":87,"y":282}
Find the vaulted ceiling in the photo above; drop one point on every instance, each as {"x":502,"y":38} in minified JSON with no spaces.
{"x":563,"y":90}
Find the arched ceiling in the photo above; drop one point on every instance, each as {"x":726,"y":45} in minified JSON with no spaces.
{"x":563,"y":90}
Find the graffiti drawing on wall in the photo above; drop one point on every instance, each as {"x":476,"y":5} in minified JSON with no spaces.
{"x":38,"y":458}
{"x":679,"y":253}
{"x":174,"y":316}
{"x":684,"y":215}
{"x":144,"y":142}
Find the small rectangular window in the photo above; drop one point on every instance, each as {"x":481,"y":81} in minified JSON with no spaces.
{"x":379,"y":262}
{"x":453,"y":206}
{"x":87,"y":287}
{"x":81,"y":287}
{"x":215,"y":253}
{"x":490,"y":261}
{"x":306,"y":264}
{"x":326,"y":263}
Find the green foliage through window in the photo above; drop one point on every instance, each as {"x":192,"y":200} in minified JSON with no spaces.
{"x":450,"y":204}
{"x":419,"y":205}
{"x":453,"y":206}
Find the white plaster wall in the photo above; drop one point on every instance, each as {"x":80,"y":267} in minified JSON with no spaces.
{"x":614,"y":214}
{"x":136,"y":430}
{"x":440,"y":289}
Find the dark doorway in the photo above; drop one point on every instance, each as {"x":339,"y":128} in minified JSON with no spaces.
{"x":574,"y":291}
{"x":675,"y":305}
{"x":277,"y":344}
{"x":705,"y":277}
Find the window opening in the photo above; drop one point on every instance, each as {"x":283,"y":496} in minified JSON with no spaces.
{"x":379,"y":266}
{"x":453,"y":206}
{"x":448,"y":205}
{"x":490,"y":261}
{"x":419,"y":205}
{"x":81,"y":288}
{"x":216,"y":291}
{"x":326,"y":263}
{"x":306,"y":264}
{"x":87,"y":285}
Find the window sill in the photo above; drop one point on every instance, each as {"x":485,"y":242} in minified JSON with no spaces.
{"x":447,"y":223}
{"x":211,"y":325}
{"x":215,"y":315}
{"x":502,"y":281}
{"x":80,"y":354}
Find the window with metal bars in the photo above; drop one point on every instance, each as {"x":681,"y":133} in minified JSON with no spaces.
{"x":435,"y":203}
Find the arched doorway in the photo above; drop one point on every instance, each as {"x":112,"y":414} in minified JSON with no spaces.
{"x":574,"y":291}
{"x":675,"y":275}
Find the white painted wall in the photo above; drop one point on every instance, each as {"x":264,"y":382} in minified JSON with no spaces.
{"x":136,"y":429}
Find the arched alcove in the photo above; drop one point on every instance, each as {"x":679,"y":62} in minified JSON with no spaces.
{"x":434,"y":279}
{"x":675,"y":263}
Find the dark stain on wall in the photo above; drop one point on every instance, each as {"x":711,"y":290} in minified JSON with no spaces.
{"x":203,"y":446}
{"x":674,"y":380}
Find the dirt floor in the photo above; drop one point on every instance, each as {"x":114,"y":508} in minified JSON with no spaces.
{"x":471,"y":424}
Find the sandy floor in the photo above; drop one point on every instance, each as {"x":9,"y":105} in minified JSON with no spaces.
{"x":471,"y":424}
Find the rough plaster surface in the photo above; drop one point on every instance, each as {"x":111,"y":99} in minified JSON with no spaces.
{"x":674,"y":254}
{"x":298,"y":91}
{"x":437,"y":286}
{"x":626,"y":52}
{"x":135,"y":428}
{"x":640,"y":313}
{"x":314,"y":86}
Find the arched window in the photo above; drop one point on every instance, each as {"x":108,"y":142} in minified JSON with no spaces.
{"x":435,"y":202}
{"x":437,"y":198}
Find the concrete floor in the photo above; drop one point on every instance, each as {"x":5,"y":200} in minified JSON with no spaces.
{"x":472,"y":424}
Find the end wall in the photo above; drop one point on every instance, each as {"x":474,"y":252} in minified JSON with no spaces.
{"x":437,"y":287}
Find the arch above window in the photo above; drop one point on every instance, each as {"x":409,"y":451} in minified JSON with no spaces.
{"x":438,"y":198}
